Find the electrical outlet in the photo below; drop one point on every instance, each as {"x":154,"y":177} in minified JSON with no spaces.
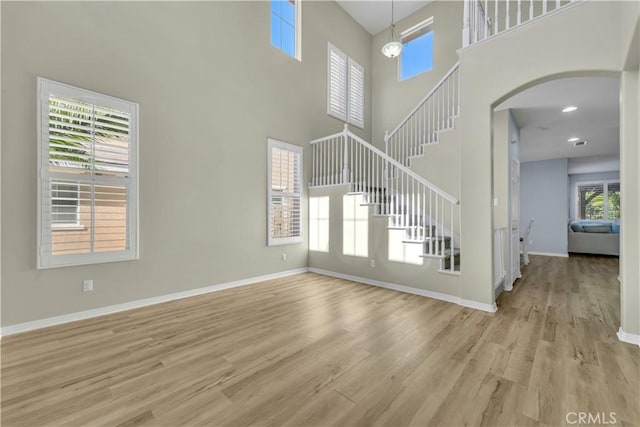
{"x":372,"y":263}
{"x":87,"y":286}
{"x":531,"y":242}
{"x":284,"y":257}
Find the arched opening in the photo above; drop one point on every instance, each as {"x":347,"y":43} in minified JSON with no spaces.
{"x":556,"y":187}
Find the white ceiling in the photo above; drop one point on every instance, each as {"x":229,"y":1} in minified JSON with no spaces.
{"x":545,"y":129}
{"x":375,"y":15}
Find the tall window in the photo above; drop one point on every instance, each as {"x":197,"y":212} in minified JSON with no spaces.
{"x":345,"y":88}
{"x":319,"y":224}
{"x":285,"y":192}
{"x":417,"y":51}
{"x":87,"y":192}
{"x":408,"y":253}
{"x":599,"y":200}
{"x":355,"y":226}
{"x":285,"y":26}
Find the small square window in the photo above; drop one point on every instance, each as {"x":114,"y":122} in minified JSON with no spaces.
{"x":417,"y":50}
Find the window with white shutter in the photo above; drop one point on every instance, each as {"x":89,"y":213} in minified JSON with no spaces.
{"x":598,"y":200}
{"x":345,"y":87}
{"x":284,"y":193}
{"x":87,"y":192}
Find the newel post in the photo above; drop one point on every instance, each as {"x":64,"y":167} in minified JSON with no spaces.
{"x":466,"y":31}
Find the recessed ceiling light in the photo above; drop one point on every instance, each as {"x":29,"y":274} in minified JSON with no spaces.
{"x":569,"y":109}
{"x":574,"y":139}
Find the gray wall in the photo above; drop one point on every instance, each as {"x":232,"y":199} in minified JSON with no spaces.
{"x":585,"y":177}
{"x":493,"y":71}
{"x":211,"y":89}
{"x":394,"y":99}
{"x":543,"y":197}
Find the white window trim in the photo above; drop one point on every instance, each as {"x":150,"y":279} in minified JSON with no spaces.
{"x":605,"y":213}
{"x":274,"y":143}
{"x":44,"y":260}
{"x":406,"y":33}
{"x":348,"y":62}
{"x":298,"y":35}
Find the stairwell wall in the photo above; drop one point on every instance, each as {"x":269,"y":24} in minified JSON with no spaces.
{"x":417,"y":277}
{"x":394,"y":99}
{"x":495,"y":70}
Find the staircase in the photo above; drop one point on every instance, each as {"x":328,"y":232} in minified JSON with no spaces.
{"x":393,"y":182}
{"x":429,"y":216}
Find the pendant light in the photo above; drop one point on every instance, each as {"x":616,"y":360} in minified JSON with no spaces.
{"x":392,"y":48}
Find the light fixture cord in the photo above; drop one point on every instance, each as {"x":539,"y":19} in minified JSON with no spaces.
{"x":392,"y":35}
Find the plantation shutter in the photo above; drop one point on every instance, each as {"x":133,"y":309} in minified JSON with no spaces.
{"x":87,"y":200}
{"x":337,"y":84}
{"x":285,"y":193}
{"x":356,"y":94}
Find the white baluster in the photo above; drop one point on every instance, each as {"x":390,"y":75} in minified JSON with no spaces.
{"x":530,"y":9}
{"x":466,"y":35}
{"x":452,"y":266}
{"x":496,"y":21}
{"x":313,"y":165}
{"x":544,"y":6}
{"x":519,"y":18}
{"x":487,"y":26}
{"x":507,"y":22}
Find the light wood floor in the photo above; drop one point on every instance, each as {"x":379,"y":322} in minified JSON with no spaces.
{"x":312,"y":350}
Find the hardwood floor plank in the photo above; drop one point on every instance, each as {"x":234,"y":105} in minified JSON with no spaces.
{"x":319,"y":351}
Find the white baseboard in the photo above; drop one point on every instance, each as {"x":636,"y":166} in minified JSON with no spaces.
{"x":87,"y":314}
{"x":628,"y":338}
{"x":491,"y":308}
{"x":562,"y":255}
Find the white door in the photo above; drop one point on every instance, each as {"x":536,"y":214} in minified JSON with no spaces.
{"x":514,"y":220}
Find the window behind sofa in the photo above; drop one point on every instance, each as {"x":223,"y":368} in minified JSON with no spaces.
{"x":599,"y":200}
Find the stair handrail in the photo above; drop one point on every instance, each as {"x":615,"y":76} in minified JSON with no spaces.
{"x":425,"y":99}
{"x":346,"y":132}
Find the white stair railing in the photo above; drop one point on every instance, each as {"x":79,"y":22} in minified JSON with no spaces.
{"x":483,"y":19}
{"x":433,"y":114}
{"x":429,"y":215}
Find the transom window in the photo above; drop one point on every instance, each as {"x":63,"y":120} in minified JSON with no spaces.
{"x":417,"y":51}
{"x":599,"y":200}
{"x":285,"y":26}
